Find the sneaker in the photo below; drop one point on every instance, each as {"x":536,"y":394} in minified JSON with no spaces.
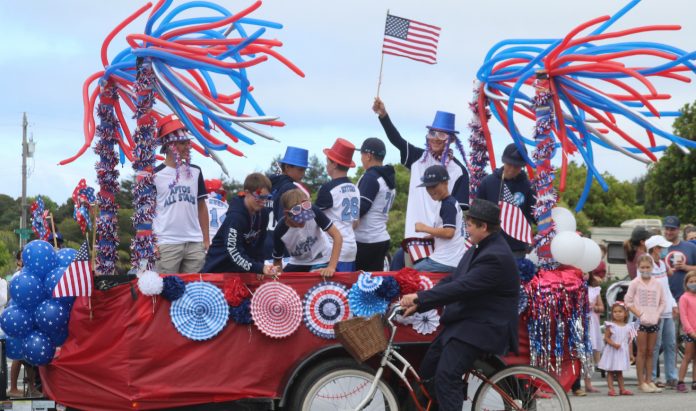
{"x":693,"y":386}
{"x":581,"y":393}
{"x":646,"y":388}
{"x":660,"y":384}
{"x":15,"y":394}
{"x":671,"y":385}
{"x":681,"y":387}
{"x":654,"y":387}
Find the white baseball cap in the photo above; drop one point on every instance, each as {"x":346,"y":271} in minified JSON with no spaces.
{"x":657,"y":240}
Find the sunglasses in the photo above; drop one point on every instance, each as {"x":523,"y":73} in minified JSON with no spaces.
{"x":261,"y":197}
{"x":297,"y":209}
{"x":438,"y":135}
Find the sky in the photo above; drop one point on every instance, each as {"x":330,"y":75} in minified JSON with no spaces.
{"x":50,"y":48}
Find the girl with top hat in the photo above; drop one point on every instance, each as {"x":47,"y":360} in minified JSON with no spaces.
{"x":339,"y":199}
{"x":301,"y":234}
{"x":440,"y":137}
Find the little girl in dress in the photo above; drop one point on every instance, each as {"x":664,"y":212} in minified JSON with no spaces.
{"x":616,"y":353}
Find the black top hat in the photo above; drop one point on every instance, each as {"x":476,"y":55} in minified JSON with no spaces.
{"x":484,"y":210}
{"x":434,"y":175}
{"x":512,"y":156}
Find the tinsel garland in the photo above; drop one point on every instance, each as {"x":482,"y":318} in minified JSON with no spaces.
{"x":173,"y":287}
{"x":144,"y":194}
{"x":546,"y":197}
{"x":107,"y":176}
{"x":478,"y":155}
{"x":558,"y":324}
{"x":39,"y":223}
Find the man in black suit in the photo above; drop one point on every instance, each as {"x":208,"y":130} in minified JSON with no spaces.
{"x":480,"y":302}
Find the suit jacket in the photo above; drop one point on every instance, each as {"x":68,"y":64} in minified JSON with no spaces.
{"x":480,"y":297}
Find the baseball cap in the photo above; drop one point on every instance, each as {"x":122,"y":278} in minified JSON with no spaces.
{"x":639,"y":233}
{"x":374,"y":146}
{"x":512,"y":156}
{"x":671,"y":221}
{"x":657,"y":240}
{"x":434,"y":175}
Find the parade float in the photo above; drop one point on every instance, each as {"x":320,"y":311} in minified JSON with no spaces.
{"x":152,"y":341}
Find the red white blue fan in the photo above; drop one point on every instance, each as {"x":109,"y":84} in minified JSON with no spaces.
{"x":201,"y":313}
{"x":325,"y":304}
{"x":276,"y":309}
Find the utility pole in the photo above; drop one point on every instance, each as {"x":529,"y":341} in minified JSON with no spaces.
{"x":25,"y":152}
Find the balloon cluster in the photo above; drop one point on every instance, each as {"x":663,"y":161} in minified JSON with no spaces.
{"x":187,"y":56}
{"x":39,"y":215}
{"x":592,"y":85}
{"x":568,"y":247}
{"x":36,"y":323}
{"x":83,"y":197}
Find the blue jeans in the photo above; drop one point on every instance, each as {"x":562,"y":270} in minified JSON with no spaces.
{"x":397,"y":262}
{"x":432,"y":266}
{"x":666,"y":338}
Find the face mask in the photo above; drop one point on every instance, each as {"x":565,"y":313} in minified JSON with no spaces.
{"x":691,"y":287}
{"x":645,"y":274}
{"x":663,"y":253}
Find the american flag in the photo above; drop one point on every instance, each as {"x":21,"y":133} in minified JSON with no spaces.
{"x":512,"y":219}
{"x":411,"y":39}
{"x":77,"y":280}
{"x":418,"y":248}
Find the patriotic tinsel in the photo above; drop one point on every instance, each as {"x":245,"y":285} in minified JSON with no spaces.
{"x":546,"y":197}
{"x":478,"y":155}
{"x":39,"y":223}
{"x":83,"y":198}
{"x":107,"y":175}
{"x":144,"y":194}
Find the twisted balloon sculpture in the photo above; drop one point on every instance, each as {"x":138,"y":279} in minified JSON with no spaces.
{"x":182,"y":62}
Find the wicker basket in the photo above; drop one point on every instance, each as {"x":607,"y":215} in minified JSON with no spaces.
{"x":362,"y":337}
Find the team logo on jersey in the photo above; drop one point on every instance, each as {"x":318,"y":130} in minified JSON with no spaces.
{"x":518,"y":199}
{"x":252,"y":236}
{"x":179,"y":194}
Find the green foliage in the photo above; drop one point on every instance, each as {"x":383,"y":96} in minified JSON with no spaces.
{"x":7,"y":262}
{"x":670,"y":186}
{"x":606,"y":209}
{"x":315,"y":176}
{"x":9,"y":212}
{"x":397,"y":215}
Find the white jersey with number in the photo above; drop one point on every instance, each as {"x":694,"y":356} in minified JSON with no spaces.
{"x":339,"y":199}
{"x":217,"y":210}
{"x":373,"y":224}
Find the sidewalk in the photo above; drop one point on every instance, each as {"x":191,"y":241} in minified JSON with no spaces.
{"x":667,"y":400}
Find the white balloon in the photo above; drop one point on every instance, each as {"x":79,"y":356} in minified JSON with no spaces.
{"x":567,"y":247}
{"x":591,"y":256}
{"x":564,"y":219}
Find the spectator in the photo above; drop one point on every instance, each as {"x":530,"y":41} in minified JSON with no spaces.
{"x":181,"y":223}
{"x":601,"y":271}
{"x":377,"y":192}
{"x":441,"y":135}
{"x":339,"y":199}
{"x":634,"y":248}
{"x":680,"y":257}
{"x":617,"y":349}
{"x":511,"y":182}
{"x":217,"y":205}
{"x":300,"y":233}
{"x":687,"y":313}
{"x":666,"y":338}
{"x":238,"y":247}
{"x":292,"y":167}
{"x":690,"y":233}
{"x":646,"y":300}
{"x":447,"y":230}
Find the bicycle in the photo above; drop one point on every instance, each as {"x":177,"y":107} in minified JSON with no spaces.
{"x":512,"y":388}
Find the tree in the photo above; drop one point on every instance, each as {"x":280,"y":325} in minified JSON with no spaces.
{"x":315,"y":176}
{"x":602,"y":208}
{"x":670,"y":186}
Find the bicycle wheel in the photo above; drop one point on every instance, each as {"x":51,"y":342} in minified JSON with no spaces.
{"x":341,"y":384}
{"x":521,"y":388}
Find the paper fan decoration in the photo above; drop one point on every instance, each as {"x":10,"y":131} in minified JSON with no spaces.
{"x":368,"y":283}
{"x":276,"y":309}
{"x":325,"y":304}
{"x":364,"y":304}
{"x":426,"y":323}
{"x":425,"y":283}
{"x":201,"y":313}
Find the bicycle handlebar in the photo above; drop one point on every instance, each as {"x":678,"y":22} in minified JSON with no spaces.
{"x":395,"y":310}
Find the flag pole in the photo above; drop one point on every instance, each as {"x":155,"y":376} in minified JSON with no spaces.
{"x":93,"y":213}
{"x":53,"y":228}
{"x":381,"y":64}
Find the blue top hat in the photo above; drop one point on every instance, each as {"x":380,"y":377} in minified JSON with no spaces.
{"x":444,"y":121}
{"x":295,"y":156}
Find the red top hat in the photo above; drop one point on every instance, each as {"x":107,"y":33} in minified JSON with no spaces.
{"x":169,"y":124}
{"x":214,"y":186}
{"x":341,"y":152}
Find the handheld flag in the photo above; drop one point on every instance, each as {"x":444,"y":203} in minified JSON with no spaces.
{"x":77,"y":280}
{"x":512,"y":219}
{"x":411,"y":39}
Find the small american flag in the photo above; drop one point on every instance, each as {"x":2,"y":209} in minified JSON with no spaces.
{"x":411,"y":39}
{"x":418,"y":248}
{"x":77,"y":279}
{"x":512,"y":219}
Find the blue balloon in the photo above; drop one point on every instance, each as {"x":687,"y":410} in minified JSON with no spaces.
{"x":16,"y":322}
{"x":66,"y":256}
{"x":51,"y":317}
{"x":60,"y":338}
{"x":15,"y":348}
{"x":38,"y":348}
{"x":52,"y":279}
{"x":67,"y":302}
{"x":39,"y":257}
{"x":27,"y":291}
